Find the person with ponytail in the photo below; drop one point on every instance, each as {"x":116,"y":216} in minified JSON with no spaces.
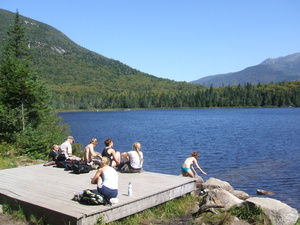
{"x":133,"y":160}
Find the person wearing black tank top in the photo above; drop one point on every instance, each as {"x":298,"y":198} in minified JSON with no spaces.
{"x":109,"y":152}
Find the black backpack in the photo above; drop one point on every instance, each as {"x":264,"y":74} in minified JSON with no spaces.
{"x":81,"y":167}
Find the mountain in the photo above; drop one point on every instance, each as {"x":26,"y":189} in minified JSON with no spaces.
{"x":276,"y":70}
{"x":70,"y":68}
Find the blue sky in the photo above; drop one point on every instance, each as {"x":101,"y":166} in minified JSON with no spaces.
{"x":182,"y":40}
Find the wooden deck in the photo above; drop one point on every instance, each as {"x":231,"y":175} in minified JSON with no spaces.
{"x":48,"y":191}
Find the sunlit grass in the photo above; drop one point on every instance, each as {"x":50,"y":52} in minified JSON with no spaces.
{"x":164,"y":212}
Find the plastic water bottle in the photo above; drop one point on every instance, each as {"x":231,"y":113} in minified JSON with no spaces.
{"x":129,"y":189}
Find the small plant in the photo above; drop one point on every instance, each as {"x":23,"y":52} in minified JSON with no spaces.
{"x":17,"y":214}
{"x":250,"y":213}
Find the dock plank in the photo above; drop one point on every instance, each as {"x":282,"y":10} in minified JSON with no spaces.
{"x":48,"y":192}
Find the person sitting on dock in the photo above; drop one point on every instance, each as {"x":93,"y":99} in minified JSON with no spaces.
{"x":187,"y":168}
{"x":133,"y":160}
{"x":66,"y":149}
{"x":113,"y":155}
{"x":107,"y":180}
{"x":54,"y":152}
{"x":89,"y":153}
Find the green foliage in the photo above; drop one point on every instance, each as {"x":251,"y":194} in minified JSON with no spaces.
{"x":164,"y":212}
{"x":77,"y":150}
{"x":25,"y":119}
{"x":37,"y":143}
{"x":284,"y":94}
{"x":220,"y":218}
{"x":250,"y":213}
{"x":19,"y":215}
{"x":6,"y":162}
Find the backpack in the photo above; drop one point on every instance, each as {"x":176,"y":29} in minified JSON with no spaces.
{"x":91,"y":197}
{"x":67,"y":164}
{"x":81,"y":167}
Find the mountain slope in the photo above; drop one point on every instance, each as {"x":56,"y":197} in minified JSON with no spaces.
{"x":276,"y":70}
{"x":68,"y":67}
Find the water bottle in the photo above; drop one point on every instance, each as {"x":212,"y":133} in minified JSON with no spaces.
{"x":129,"y":189}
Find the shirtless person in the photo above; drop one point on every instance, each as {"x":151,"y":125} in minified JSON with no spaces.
{"x":89,"y":153}
{"x":187,"y":167}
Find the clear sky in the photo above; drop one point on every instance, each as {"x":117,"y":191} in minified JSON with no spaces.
{"x":182,"y":40}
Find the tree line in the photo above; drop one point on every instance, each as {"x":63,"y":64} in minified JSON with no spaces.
{"x":284,"y":94}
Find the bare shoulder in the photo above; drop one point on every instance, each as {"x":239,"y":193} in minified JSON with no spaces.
{"x":111,"y":150}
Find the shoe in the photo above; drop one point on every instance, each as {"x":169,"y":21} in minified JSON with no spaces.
{"x":100,"y":199}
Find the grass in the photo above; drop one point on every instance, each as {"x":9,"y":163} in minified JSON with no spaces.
{"x":162,"y":213}
{"x":18,"y":216}
{"x":6,"y":163}
{"x":250,"y":213}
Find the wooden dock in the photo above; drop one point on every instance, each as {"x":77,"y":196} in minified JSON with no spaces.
{"x":47,"y":192}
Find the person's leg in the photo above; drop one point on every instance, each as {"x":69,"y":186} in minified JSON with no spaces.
{"x":190,"y":173}
{"x":108,"y":193}
{"x":124,"y":157}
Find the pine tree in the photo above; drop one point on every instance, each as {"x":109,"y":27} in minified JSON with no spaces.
{"x":24,"y":97}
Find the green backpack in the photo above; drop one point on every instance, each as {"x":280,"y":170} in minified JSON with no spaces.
{"x":91,"y":197}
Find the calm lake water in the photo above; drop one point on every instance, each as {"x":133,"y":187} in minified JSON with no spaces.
{"x":249,"y":148}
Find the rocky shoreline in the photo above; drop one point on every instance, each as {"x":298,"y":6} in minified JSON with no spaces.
{"x":220,"y":194}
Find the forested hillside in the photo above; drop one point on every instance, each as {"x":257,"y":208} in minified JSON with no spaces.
{"x":75,"y":73}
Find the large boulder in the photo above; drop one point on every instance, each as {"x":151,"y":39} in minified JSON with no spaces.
{"x":278,"y":212}
{"x":213,"y":183}
{"x":220,"y":198}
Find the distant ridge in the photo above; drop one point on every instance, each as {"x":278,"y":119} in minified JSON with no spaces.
{"x":286,"y":68}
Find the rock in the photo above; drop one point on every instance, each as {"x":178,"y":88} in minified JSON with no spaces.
{"x":194,"y":209}
{"x":278,"y":212}
{"x":236,"y":221}
{"x":199,"y":181}
{"x":216,"y":183}
{"x":219,"y":197}
{"x":240,"y":194}
{"x":262,"y":192}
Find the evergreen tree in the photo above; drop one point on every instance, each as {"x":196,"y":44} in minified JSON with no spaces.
{"x":24,"y":98}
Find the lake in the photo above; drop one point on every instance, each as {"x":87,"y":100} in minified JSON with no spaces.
{"x":249,"y":148}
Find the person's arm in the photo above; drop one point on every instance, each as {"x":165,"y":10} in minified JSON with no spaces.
{"x":196,"y":163}
{"x":125,"y":156}
{"x":194,"y":171}
{"x":117,"y":159}
{"x":94,"y":154}
{"x":96,"y":176}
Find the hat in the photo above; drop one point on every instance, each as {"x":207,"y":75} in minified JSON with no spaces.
{"x":71,"y":137}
